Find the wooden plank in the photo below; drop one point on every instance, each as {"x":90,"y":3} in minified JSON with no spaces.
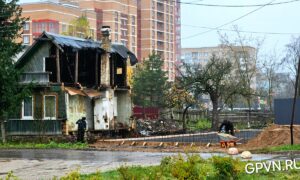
{"x":76,"y":67}
{"x":57,"y":65}
{"x":97,"y":69}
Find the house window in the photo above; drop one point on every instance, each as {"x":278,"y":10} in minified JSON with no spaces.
{"x":26,"y":26}
{"x":27,"y":108}
{"x":26,"y":39}
{"x":49,"y":107}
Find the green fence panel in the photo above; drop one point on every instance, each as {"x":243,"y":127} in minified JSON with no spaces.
{"x":34,"y":127}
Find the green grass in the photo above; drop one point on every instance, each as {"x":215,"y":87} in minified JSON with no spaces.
{"x":282,"y":148}
{"x":201,"y":124}
{"x":51,"y":145}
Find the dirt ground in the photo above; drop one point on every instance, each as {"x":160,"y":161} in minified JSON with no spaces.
{"x":273,"y":135}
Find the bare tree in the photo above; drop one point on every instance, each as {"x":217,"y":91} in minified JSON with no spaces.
{"x":244,"y":52}
{"x":269,"y":80}
{"x":290,"y":61}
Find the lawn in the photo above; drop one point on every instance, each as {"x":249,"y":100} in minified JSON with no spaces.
{"x":280,"y":149}
{"x":50,"y":145}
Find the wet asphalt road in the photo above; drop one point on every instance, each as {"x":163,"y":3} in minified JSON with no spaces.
{"x":45,"y":164}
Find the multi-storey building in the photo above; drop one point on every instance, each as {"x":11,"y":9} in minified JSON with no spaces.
{"x":142,"y":26}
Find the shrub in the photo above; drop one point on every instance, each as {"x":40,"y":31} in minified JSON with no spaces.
{"x":74,"y":175}
{"x":226,"y":167}
{"x":11,"y":176}
{"x":179,"y":167}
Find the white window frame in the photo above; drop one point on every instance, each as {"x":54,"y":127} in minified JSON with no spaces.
{"x":27,"y":36}
{"x":23,"y":110}
{"x":44,"y":103}
{"x":26,"y":26}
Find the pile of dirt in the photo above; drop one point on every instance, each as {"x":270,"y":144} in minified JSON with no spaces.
{"x":149,"y":127}
{"x":275,"y":135}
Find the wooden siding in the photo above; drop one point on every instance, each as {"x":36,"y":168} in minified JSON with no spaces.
{"x":36,"y":63}
{"x":34,"y":127}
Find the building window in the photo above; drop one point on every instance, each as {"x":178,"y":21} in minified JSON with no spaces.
{"x":116,"y":16}
{"x":26,"y":26}
{"x":49,"y":107}
{"x":26,"y":39}
{"x":64,"y":28}
{"x":116,"y":37}
{"x":27,"y":108}
{"x":132,"y":20}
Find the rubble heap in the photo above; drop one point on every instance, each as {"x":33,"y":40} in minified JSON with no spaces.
{"x":147,"y":127}
{"x":275,"y":135}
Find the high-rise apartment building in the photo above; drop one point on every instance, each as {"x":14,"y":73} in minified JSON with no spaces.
{"x":142,"y":26}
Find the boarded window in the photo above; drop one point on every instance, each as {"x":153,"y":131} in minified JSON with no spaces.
{"x":50,"y":107}
{"x":27,"y":111}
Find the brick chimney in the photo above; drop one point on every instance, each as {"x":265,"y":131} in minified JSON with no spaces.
{"x":106,"y":45}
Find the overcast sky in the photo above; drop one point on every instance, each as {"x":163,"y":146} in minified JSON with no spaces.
{"x":282,"y":18}
{"x":276,"y":18}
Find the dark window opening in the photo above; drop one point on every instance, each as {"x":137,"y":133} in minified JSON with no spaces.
{"x":119,"y":71}
{"x":67,"y":65}
{"x":86,"y":68}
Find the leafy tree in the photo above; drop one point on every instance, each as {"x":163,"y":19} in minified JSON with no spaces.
{"x":179,"y":97}
{"x":213,"y":79}
{"x":11,"y":24}
{"x":79,"y":27}
{"x":150,"y":84}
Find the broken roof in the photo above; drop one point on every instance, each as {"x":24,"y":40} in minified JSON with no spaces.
{"x":80,"y":43}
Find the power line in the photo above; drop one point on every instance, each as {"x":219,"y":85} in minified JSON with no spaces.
{"x":216,"y":28}
{"x":253,"y":32}
{"x":236,"y":6}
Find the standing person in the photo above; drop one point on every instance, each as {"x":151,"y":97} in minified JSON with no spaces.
{"x":81,"y":129}
{"x":227,"y":127}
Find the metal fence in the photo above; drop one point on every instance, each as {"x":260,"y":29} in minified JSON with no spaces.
{"x":253,"y":119}
{"x":205,"y":137}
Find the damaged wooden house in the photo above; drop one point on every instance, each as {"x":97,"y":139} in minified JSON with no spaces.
{"x":74,"y":78}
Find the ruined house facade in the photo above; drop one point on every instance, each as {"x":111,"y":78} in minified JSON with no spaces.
{"x":74,"y":78}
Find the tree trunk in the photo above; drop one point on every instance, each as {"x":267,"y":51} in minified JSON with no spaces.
{"x":183,"y":118}
{"x":249,"y":111}
{"x":215,"y":115}
{"x":3,"y":134}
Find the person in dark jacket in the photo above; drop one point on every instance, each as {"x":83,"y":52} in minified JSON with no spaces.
{"x":81,"y":129}
{"x":227,"y":127}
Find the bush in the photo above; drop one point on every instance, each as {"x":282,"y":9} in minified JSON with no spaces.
{"x":201,"y":124}
{"x":226,"y":167}
{"x":179,"y":167}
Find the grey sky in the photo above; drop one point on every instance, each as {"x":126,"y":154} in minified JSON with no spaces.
{"x":277,"y":18}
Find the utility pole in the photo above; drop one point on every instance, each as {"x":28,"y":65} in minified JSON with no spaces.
{"x":294,"y":102}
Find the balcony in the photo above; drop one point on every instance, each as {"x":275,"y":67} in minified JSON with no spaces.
{"x":160,"y":26}
{"x":160,"y":16}
{"x":160,"y":7}
{"x":40,"y":78}
{"x":160,"y":36}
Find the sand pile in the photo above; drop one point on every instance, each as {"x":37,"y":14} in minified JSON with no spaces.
{"x":275,"y":135}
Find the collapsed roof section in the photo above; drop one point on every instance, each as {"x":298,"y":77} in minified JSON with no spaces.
{"x":78,"y":44}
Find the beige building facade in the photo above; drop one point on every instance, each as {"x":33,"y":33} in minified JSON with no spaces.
{"x":142,"y":26}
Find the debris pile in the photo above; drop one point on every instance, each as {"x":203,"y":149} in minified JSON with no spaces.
{"x":147,"y":127}
{"x":275,"y":135}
